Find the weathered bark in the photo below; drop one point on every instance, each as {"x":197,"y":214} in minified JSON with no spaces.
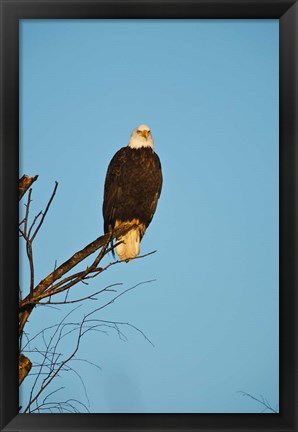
{"x":24,"y":367}
{"x":24,"y":183}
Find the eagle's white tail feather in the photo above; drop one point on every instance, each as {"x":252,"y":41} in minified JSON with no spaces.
{"x":130,"y":248}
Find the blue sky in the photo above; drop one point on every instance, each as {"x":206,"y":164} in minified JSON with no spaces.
{"x":209,"y":91}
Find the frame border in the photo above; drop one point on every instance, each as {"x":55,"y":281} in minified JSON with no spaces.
{"x":11,"y":11}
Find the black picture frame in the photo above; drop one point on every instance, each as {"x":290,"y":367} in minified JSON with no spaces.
{"x":287,"y":13}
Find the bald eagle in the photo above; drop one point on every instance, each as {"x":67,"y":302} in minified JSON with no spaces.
{"x":132,"y":188}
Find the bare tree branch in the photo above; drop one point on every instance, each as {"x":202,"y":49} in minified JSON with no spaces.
{"x":26,"y":306}
{"x":263,"y":401}
{"x":27,"y":213}
{"x":52,"y":363}
{"x":43,"y":214}
{"x":90,"y":297}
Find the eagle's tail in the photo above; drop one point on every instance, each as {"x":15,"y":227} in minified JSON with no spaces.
{"x":130,"y":246}
{"x":130,"y":242}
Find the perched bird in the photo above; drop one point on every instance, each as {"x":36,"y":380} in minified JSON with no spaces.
{"x":132,"y":188}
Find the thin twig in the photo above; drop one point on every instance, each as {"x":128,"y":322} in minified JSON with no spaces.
{"x":33,"y":223}
{"x":117,"y":296}
{"x":45,"y":212}
{"x":31,"y":265}
{"x":27,"y":212}
{"x":262,"y":401}
{"x":46,"y":383}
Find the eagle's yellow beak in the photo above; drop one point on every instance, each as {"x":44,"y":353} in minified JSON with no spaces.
{"x":145,"y":133}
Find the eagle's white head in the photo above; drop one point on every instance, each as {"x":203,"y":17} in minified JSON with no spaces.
{"x":141,"y":137}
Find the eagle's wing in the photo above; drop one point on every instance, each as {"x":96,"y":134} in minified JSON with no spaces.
{"x":158,"y":181}
{"x":113,"y":190}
